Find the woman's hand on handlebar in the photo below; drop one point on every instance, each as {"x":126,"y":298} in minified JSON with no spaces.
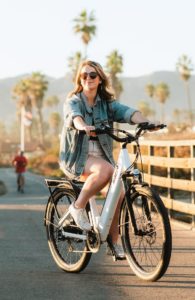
{"x":150,"y":126}
{"x":82,"y":126}
{"x":139,"y":119}
{"x":155,"y":125}
{"x":88,"y":129}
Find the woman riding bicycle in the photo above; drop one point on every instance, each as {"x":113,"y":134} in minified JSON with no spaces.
{"x":20,"y":163}
{"x":88,"y":157}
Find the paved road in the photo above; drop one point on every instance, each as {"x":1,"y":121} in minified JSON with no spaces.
{"x":27,"y":270}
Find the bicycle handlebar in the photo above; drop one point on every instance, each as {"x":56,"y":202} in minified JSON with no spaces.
{"x":129,"y":137}
{"x":150,"y":126}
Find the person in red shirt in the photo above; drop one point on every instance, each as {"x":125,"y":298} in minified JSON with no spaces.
{"x":20,"y":163}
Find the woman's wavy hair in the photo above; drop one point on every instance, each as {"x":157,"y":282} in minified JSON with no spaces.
{"x":104,"y":89}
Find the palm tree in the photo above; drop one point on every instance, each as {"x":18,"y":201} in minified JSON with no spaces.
{"x":177,"y":115}
{"x":162,"y":93}
{"x":86,"y":27}
{"x":37,"y":86}
{"x":185,"y":67}
{"x":114,"y":67}
{"x":150,"y":89}
{"x":51,"y":101}
{"x":20,"y":94}
{"x":73,"y":64}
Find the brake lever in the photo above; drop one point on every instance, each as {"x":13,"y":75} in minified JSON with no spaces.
{"x":142,"y":125}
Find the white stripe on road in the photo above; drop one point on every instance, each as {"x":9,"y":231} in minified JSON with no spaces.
{"x":35,"y":207}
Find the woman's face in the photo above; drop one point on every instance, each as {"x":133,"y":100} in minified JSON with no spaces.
{"x":90,"y":79}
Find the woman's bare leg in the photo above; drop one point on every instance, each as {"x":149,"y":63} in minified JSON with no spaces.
{"x":98,"y":173}
{"x":114,"y":229}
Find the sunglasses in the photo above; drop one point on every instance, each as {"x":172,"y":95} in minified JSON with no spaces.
{"x":92,"y":75}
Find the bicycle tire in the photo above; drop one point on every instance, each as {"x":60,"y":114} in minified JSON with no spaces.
{"x":148,"y":251}
{"x":68,"y":253}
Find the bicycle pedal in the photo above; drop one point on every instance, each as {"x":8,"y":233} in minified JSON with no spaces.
{"x":119,"y":258}
{"x":115,"y":257}
{"x":112,"y":252}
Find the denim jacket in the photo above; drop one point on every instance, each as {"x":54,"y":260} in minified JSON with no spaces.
{"x":74,"y":144}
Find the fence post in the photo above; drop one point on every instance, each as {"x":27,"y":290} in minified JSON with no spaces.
{"x":192,"y":155}
{"x":170,"y":153}
{"x":150,"y":167}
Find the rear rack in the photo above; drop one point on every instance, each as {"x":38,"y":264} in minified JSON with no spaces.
{"x":58,"y":183}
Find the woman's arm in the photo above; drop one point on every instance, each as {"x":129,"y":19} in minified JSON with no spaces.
{"x":81,"y":125}
{"x":137,"y":118}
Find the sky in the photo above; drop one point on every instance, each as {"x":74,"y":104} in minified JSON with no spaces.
{"x":37,"y":35}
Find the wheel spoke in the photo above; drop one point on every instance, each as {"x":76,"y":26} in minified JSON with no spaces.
{"x":146,"y":242}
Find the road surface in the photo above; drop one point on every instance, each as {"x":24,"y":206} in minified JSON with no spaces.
{"x":27,"y":271}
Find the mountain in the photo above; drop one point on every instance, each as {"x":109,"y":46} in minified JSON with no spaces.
{"x":133,"y":93}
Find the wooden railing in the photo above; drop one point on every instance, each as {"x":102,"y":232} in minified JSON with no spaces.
{"x":173,"y":159}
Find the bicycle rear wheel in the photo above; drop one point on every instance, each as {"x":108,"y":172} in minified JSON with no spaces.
{"x":70,"y":254}
{"x":146,"y":234}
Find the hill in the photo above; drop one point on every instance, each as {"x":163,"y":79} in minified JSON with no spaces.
{"x":134,"y":92}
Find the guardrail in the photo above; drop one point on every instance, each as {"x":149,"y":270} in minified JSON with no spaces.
{"x":171,"y":158}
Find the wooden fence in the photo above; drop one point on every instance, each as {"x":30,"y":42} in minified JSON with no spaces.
{"x":167,"y":157}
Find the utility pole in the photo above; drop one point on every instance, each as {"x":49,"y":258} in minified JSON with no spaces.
{"x":22,"y":129}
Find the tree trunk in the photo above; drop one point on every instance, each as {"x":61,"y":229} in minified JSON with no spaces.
{"x":189,"y":103}
{"x":40,"y":126}
{"x":162,"y":113}
{"x":154,"y":107}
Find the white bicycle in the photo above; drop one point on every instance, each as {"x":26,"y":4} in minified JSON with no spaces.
{"x":144,"y":223}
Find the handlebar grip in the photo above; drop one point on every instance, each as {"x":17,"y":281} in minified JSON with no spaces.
{"x":95,"y":131}
{"x":153,"y":126}
{"x":82,"y":131}
{"x":149,"y":126}
{"x":161,"y":126}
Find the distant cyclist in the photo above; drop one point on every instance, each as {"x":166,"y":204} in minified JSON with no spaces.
{"x":20,"y":163}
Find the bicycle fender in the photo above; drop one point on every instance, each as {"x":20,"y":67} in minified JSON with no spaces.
{"x":140,"y":188}
{"x":52,"y":194}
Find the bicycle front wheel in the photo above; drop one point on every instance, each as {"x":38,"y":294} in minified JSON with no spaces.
{"x":146,"y":233}
{"x":70,"y":254}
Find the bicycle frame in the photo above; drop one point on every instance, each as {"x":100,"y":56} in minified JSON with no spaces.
{"x":144,"y":223}
{"x":103,"y":222}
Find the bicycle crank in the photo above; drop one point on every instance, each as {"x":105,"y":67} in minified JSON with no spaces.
{"x":93,"y":241}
